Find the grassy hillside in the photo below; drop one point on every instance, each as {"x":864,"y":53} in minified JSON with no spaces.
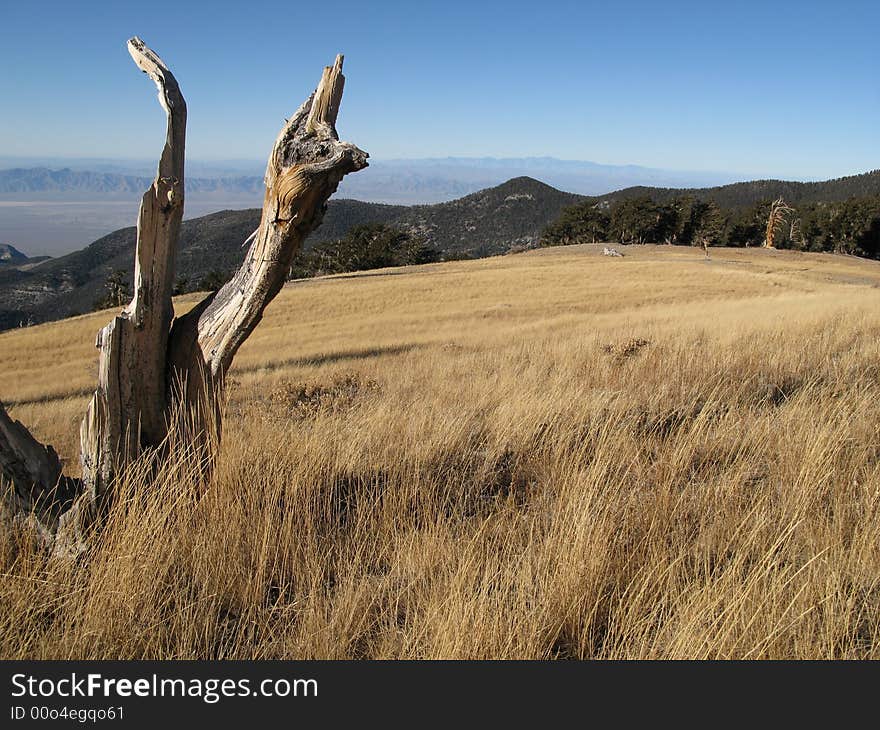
{"x":556,"y":454}
{"x":488,"y":222}
{"x":508,"y":216}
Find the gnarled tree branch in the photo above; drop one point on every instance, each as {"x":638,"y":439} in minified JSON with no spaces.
{"x":305,"y":167}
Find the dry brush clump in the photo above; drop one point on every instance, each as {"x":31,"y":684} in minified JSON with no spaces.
{"x":623,"y":350}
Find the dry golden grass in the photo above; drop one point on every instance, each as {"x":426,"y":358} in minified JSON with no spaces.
{"x":554,"y":454}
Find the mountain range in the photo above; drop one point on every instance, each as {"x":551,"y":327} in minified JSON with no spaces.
{"x":53,"y":206}
{"x":496,"y":220}
{"x":413,"y":181}
{"x":483,"y":223}
{"x":433,"y":180}
{"x":43,"y":180}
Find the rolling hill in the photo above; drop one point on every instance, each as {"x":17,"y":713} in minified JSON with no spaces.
{"x":487,"y":222}
{"x":551,"y":455}
{"x":743,"y":194}
{"x":492,"y":221}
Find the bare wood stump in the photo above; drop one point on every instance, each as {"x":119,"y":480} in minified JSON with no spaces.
{"x":154,"y":369}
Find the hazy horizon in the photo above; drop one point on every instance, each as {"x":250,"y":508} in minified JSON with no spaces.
{"x":56,"y":223}
{"x":209,"y":167}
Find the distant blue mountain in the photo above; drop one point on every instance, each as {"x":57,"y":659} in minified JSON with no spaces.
{"x":42,"y":180}
{"x":429,"y":180}
{"x":434,"y":180}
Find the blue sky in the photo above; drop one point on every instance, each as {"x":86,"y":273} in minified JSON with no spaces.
{"x":784,"y":89}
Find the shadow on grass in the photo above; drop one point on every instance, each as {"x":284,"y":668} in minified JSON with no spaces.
{"x":329,"y":357}
{"x":270,"y":366}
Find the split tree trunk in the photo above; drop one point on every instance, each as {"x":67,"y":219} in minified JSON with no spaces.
{"x":153,"y":367}
{"x":778,"y":213}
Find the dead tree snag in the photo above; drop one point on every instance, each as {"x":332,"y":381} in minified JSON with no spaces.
{"x":153,"y":366}
{"x":779,"y":212}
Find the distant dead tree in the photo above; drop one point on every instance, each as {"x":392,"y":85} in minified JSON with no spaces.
{"x":153,"y":365}
{"x":779,"y":212}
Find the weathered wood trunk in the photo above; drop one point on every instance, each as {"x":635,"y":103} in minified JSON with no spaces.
{"x":152,"y":367}
{"x":778,"y":213}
